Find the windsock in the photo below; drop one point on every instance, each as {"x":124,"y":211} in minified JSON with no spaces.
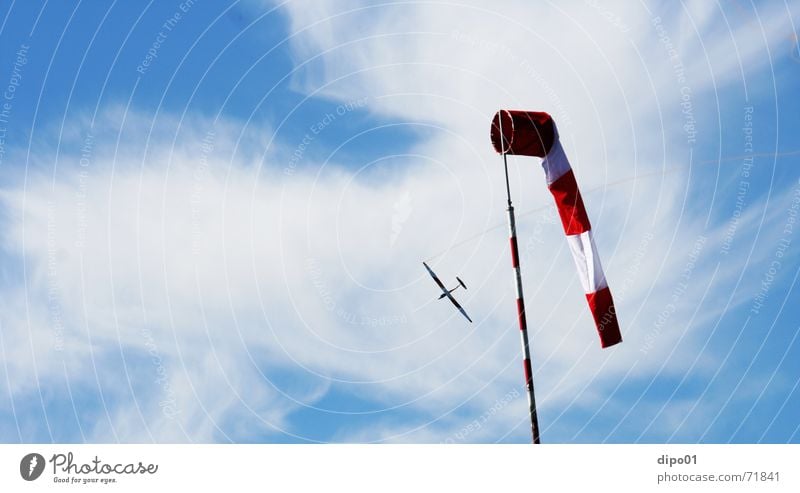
{"x":531,"y":133}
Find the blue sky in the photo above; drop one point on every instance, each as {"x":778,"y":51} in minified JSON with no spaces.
{"x":213,"y":222}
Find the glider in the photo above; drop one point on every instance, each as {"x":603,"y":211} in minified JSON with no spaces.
{"x":446,"y":292}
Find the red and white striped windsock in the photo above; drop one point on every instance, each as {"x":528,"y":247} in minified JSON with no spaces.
{"x":530,"y":133}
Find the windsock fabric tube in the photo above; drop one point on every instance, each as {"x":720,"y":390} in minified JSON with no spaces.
{"x":530,"y":133}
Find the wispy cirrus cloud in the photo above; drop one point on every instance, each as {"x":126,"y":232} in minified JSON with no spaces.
{"x":192,"y":282}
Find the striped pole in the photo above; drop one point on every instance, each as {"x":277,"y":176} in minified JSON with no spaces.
{"x":523,"y":325}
